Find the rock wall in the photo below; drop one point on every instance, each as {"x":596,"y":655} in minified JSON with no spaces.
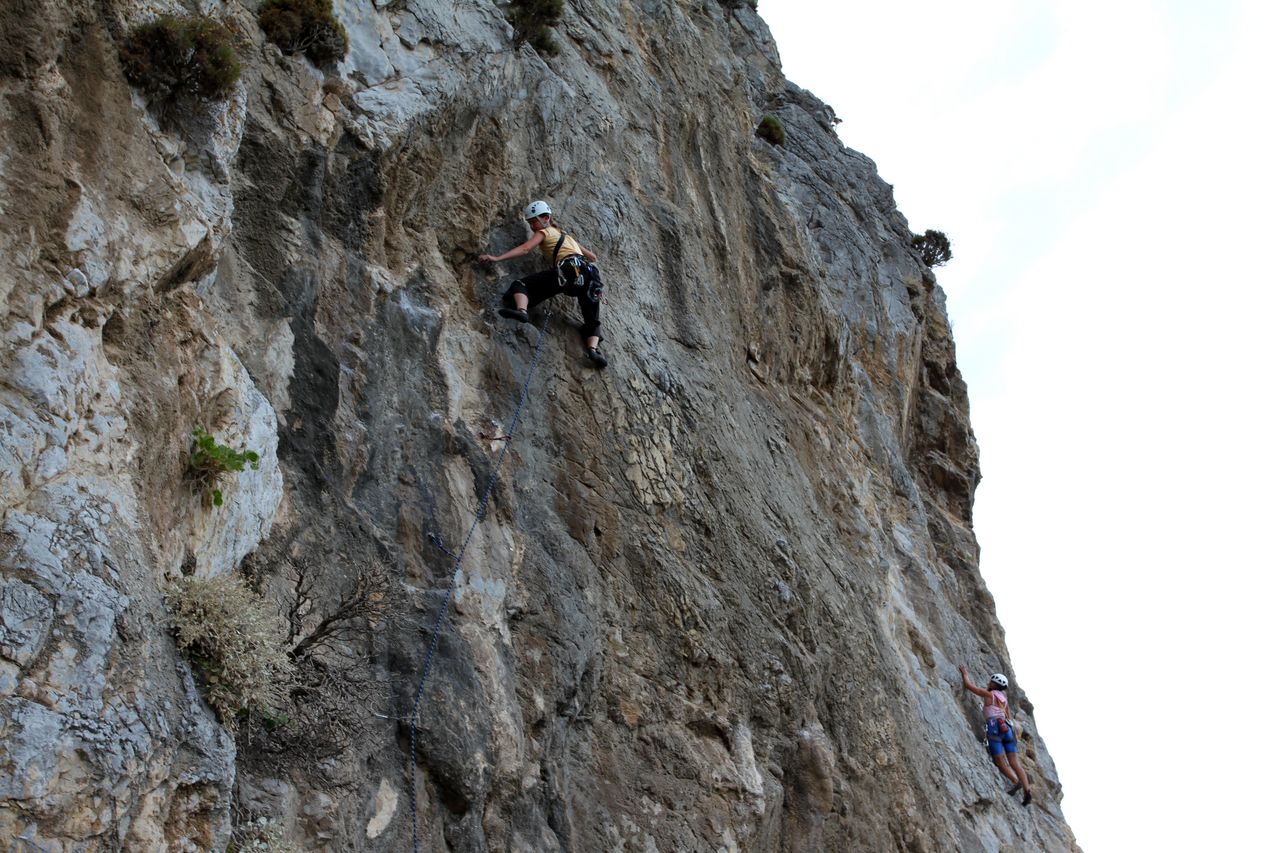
{"x":721,"y":588}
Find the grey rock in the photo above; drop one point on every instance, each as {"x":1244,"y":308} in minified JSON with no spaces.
{"x":25,"y":616}
{"x":717,"y":592}
{"x":28,"y":767}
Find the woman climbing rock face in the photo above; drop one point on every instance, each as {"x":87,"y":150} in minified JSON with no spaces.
{"x":572,"y":272}
{"x":1002,"y":741}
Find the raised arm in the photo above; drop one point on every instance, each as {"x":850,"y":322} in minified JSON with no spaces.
{"x":973,"y":688}
{"x":523,"y":249}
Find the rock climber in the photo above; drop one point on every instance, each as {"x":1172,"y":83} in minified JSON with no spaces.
{"x":572,"y":272}
{"x":1002,"y":741}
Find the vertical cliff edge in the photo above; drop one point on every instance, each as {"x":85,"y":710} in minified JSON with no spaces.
{"x":719,"y":593}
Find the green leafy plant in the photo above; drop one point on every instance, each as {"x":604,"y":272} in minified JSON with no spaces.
{"x":210,"y":460}
{"x":933,"y":246}
{"x":533,"y":20}
{"x":305,"y":26}
{"x":236,"y":640}
{"x":172,"y":57}
{"x":770,"y":130}
{"x":272,"y":720}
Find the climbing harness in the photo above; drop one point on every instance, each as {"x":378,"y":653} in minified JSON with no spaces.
{"x":555,"y":253}
{"x":581,"y":275}
{"x":453,"y":579}
{"x":576,"y":272}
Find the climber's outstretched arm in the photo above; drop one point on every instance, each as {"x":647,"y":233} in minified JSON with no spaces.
{"x":523,"y":249}
{"x":973,"y":688}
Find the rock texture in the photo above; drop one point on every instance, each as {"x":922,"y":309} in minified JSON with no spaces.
{"x":721,"y":588}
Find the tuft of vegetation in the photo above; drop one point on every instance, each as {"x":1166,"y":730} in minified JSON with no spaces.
{"x":533,"y":20}
{"x":236,"y":640}
{"x":770,"y":130}
{"x":176,"y":56}
{"x":264,"y":835}
{"x":361,"y":605}
{"x":333,"y":599}
{"x":305,"y":26}
{"x":210,"y":460}
{"x":933,"y":246}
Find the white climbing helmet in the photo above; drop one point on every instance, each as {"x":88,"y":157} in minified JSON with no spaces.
{"x":536,"y":208}
{"x":999,"y":681}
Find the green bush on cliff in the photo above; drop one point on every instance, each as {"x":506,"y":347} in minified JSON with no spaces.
{"x":235,"y":639}
{"x":172,"y":57}
{"x":210,"y":460}
{"x":770,"y":130}
{"x":533,"y":20}
{"x":933,"y":246}
{"x":305,"y":26}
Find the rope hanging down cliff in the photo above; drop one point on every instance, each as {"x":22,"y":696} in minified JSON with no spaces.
{"x":453,"y":579}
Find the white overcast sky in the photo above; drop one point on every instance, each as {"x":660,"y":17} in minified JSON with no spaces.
{"x":1107,"y":174}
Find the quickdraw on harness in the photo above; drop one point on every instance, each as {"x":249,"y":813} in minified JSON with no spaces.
{"x":576,"y":273}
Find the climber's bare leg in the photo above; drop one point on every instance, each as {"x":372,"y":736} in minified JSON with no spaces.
{"x":1002,"y":762}
{"x":1022,"y":776}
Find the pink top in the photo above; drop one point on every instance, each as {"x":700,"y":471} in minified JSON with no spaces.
{"x":998,"y":706}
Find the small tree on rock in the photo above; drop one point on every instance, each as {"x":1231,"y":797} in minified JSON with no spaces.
{"x":305,"y":26}
{"x":770,"y":130}
{"x":933,"y":246}
{"x":174,"y":57}
{"x":533,"y":20}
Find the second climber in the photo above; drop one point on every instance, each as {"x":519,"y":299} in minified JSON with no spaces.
{"x":1002,"y":741}
{"x":572,"y":272}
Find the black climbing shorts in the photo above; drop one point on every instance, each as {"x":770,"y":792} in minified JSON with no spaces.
{"x":541,"y":286}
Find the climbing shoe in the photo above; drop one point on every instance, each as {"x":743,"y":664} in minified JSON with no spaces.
{"x":594,"y":356}
{"x":515,"y":314}
{"x":1026,"y":798}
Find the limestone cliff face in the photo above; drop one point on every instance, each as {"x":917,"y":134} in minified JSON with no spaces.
{"x":721,"y":589}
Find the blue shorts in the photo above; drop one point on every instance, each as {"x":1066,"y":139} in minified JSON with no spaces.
{"x":999,"y":744}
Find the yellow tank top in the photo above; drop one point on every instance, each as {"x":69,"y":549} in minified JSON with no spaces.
{"x":551,"y":236}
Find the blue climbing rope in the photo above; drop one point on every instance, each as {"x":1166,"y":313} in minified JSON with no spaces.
{"x":453,"y":579}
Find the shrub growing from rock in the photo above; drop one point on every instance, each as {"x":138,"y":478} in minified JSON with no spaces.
{"x":236,"y":641}
{"x":172,"y":57}
{"x":933,"y":246}
{"x":770,"y":130}
{"x":533,"y":20}
{"x":210,"y":460}
{"x":305,"y":26}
